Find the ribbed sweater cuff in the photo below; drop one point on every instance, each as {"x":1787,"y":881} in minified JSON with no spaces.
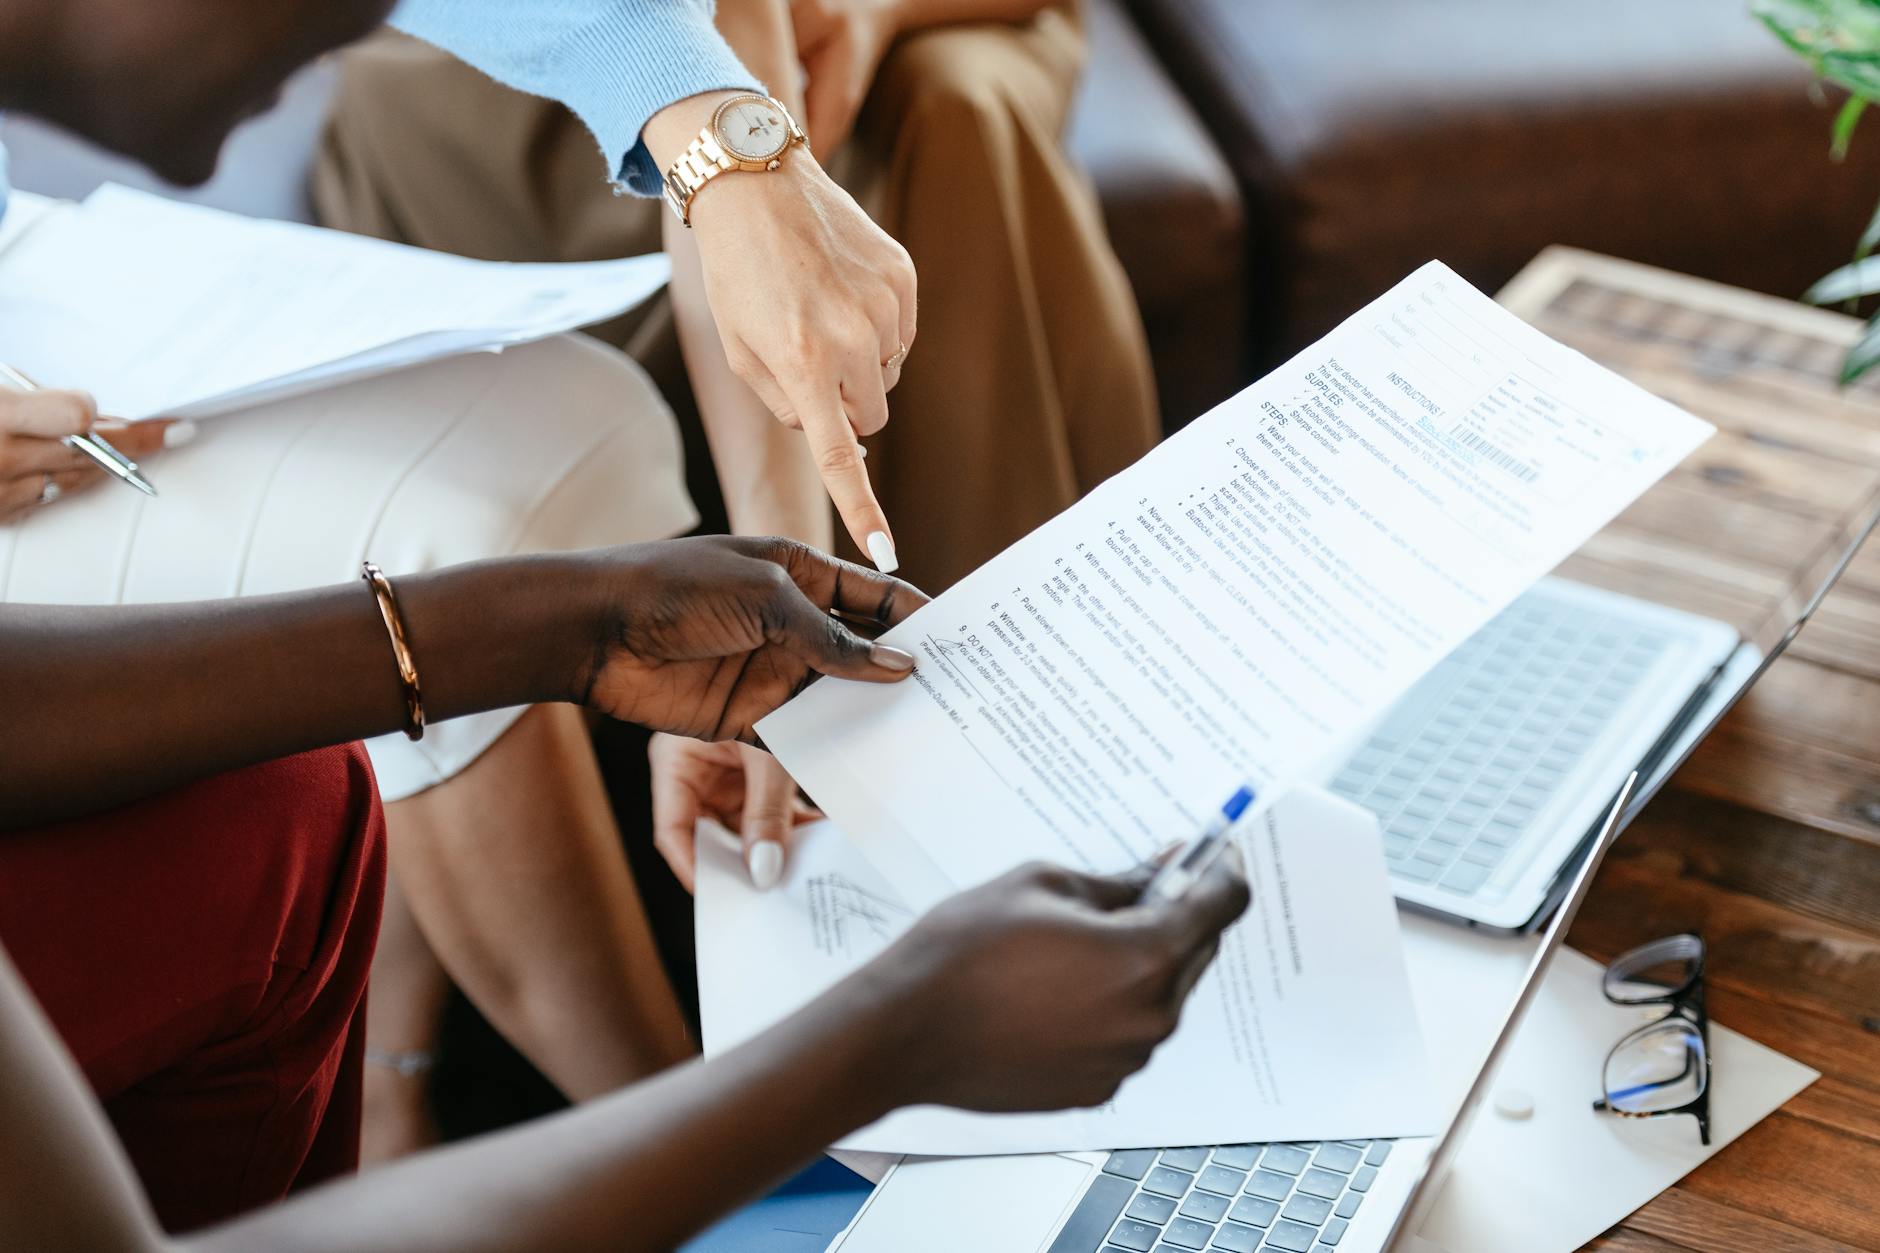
{"x":615,"y":63}
{"x":634,"y":61}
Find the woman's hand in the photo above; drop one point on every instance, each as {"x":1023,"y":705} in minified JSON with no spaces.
{"x":841,"y":43}
{"x":742,"y":787}
{"x":1046,"y":988}
{"x":814,"y":305}
{"x":702,"y":637}
{"x":36,"y":468}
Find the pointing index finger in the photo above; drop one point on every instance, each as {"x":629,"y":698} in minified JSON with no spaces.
{"x":844,"y":473}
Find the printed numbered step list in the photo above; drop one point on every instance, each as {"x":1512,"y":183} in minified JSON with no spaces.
{"x":1238,"y":601}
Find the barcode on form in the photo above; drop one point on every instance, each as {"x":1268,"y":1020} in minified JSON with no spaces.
{"x":1512,"y":464}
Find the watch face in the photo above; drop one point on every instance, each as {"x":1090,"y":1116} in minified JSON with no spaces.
{"x":753,"y":129}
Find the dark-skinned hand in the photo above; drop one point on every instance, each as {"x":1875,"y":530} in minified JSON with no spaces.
{"x":705,"y":636}
{"x":1046,"y":988}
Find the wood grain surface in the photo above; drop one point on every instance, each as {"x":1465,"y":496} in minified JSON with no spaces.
{"x":1767,"y":842}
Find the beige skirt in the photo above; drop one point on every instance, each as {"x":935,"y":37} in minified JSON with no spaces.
{"x":556,"y":445}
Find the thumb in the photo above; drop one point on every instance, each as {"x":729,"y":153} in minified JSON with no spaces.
{"x":769,"y":807}
{"x":821,"y":641}
{"x":676,"y":807}
{"x":1216,"y":901}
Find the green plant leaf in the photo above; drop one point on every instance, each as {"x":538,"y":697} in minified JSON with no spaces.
{"x":1851,"y":281}
{"x":1821,"y":27}
{"x":1858,"y":72}
{"x":1864,"y":355}
{"x":1839,"y":38}
{"x":1844,"y":123}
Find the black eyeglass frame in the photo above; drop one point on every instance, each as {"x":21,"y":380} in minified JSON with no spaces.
{"x":1685,"y":1002}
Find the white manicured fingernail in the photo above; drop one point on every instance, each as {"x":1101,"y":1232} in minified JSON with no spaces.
{"x":766,"y":863}
{"x":177,"y":434}
{"x":881,"y":549}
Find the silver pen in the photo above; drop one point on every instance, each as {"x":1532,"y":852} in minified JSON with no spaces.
{"x":91,"y":444}
{"x":1182,"y":871}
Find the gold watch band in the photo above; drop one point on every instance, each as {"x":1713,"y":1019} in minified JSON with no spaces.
{"x":701,"y":162}
{"x":705,"y":159}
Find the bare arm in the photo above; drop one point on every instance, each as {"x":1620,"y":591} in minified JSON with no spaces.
{"x":64,"y":1182}
{"x":765,"y":471}
{"x":948,"y":1014}
{"x":640,"y":1169}
{"x":665,"y":635}
{"x":172,"y":692}
{"x":584,"y":1179}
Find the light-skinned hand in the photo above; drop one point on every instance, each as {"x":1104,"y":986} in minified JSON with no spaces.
{"x":812,"y":301}
{"x":841,"y":43}
{"x":742,"y":787}
{"x":36,"y":469}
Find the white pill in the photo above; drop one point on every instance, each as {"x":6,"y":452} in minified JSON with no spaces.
{"x":1513,"y":1103}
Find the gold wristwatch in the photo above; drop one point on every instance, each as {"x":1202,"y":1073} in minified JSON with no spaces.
{"x":748,"y":132}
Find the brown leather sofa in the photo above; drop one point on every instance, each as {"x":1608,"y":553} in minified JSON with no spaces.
{"x":1173,"y":210}
{"x":1371,"y":135}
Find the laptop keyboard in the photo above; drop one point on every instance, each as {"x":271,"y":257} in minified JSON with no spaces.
{"x":1483,"y":743}
{"x":1235,"y":1198}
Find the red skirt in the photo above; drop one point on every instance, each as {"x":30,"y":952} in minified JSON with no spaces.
{"x":204,"y":956}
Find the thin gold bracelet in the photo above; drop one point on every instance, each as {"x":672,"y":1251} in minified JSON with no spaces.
{"x":401,"y":647}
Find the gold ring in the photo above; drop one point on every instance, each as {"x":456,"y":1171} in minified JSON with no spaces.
{"x":900,"y":355}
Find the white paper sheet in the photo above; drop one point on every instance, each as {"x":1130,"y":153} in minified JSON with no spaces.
{"x":1228,"y":607}
{"x":1303,"y":1028}
{"x":166,"y":309}
{"x":1551,"y":1182}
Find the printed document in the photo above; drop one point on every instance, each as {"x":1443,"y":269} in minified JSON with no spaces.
{"x":1303,"y":1028}
{"x":164,"y":309}
{"x":1235,"y":604}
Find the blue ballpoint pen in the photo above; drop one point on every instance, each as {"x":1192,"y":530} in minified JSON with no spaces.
{"x":1180,"y":872}
{"x":91,"y":444}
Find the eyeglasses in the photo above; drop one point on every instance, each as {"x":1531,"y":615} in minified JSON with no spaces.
{"x":1662,"y":1067}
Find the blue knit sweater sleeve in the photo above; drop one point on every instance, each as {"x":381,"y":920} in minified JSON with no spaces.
{"x":615,"y":63}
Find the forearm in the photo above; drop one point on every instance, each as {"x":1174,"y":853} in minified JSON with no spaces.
{"x":640,"y":1169}
{"x":765,"y":470}
{"x":102,"y":705}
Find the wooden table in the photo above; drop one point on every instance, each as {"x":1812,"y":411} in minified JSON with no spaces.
{"x":1767,"y":842}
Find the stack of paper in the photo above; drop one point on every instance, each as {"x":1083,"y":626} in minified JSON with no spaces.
{"x":1237,"y":603}
{"x":1302,"y":1029}
{"x":163,"y":309}
{"x":1226,"y":611}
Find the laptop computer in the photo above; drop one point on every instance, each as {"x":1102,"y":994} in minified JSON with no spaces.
{"x":1486,"y":775}
{"x":1347,"y":1196}
{"x":1340,"y":1197}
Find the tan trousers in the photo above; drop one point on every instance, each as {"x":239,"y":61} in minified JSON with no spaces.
{"x":1031,"y":381}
